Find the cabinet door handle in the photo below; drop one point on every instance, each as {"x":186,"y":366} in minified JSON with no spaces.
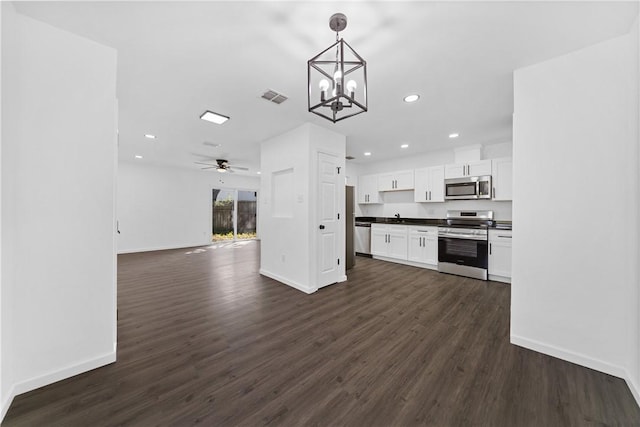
{"x":489,"y":248}
{"x":508,"y":237}
{"x":429,"y":194}
{"x":493,"y":195}
{"x":426,"y":195}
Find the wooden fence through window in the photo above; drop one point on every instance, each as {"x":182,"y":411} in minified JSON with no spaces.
{"x":223,"y":217}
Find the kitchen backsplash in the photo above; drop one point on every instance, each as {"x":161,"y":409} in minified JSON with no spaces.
{"x":402,"y":202}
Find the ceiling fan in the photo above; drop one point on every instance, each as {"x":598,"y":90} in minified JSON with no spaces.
{"x":221,"y":166}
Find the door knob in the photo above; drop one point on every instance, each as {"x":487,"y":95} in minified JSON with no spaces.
{"x":322,"y":227}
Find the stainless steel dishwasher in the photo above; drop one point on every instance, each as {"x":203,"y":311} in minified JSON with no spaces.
{"x":363,"y":238}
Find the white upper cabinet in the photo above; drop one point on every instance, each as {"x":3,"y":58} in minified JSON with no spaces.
{"x":502,"y":171}
{"x":429,"y":184}
{"x":395,"y":181}
{"x":368,"y":189}
{"x":461,"y":170}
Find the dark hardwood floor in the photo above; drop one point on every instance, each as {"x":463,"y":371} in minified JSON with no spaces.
{"x":204,"y":339}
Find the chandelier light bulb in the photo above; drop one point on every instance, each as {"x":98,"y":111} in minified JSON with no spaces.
{"x":323,"y":85}
{"x":337,"y":75}
{"x":352,"y":85}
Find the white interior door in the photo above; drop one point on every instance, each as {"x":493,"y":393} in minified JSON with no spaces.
{"x":330,"y":238}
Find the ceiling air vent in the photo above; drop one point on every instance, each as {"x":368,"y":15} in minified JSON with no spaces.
{"x":273,"y":96}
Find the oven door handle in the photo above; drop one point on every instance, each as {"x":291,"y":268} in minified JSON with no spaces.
{"x":463,"y":236}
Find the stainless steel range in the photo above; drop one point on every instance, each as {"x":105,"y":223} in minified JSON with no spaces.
{"x":463,"y":244}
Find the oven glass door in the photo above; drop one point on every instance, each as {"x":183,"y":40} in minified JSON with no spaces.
{"x":474,"y":253}
{"x":462,"y":189}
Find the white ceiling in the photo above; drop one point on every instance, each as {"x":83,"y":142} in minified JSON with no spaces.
{"x":177,"y":59}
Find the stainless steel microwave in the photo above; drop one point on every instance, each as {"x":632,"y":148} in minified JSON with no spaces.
{"x":468,"y":188}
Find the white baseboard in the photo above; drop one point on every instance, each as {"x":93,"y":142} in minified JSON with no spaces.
{"x":162,"y":248}
{"x":295,"y":285}
{"x":54,"y":376}
{"x":570,"y":356}
{"x":499,"y":278}
{"x":7,"y":403}
{"x":406,"y":262}
{"x":633,"y":386}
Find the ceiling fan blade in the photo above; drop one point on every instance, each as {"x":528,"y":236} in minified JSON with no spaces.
{"x":202,"y":163}
{"x":240,"y":168}
{"x":209,"y":167}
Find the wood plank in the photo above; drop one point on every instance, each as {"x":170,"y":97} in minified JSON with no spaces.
{"x":204,"y":339}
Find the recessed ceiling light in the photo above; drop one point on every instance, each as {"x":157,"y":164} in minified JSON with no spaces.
{"x":258,"y":172}
{"x":216,"y":118}
{"x":367,"y":153}
{"x":411,"y":98}
{"x":453,"y":135}
{"x":138,"y":156}
{"x":148,"y":135}
{"x":404,"y":146}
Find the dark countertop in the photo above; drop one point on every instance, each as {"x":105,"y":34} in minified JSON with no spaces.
{"x":500,"y":225}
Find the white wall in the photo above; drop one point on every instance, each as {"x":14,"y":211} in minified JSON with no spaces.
{"x":575,"y":243}
{"x":163,"y":207}
{"x":58,"y":196}
{"x":634,"y":333}
{"x":402,"y":202}
{"x":4,"y":311}
{"x":288,"y":244}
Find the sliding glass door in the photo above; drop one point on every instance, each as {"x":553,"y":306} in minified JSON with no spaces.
{"x":247,"y":214}
{"x":233,"y":214}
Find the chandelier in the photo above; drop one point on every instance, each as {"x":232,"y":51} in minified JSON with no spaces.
{"x":337,"y":78}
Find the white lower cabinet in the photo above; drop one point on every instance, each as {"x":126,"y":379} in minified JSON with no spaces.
{"x":389,"y":241}
{"x":423,"y":245}
{"x":500,"y":255}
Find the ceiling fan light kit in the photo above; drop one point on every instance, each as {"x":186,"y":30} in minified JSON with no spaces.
{"x":221,"y":166}
{"x":337,"y":78}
